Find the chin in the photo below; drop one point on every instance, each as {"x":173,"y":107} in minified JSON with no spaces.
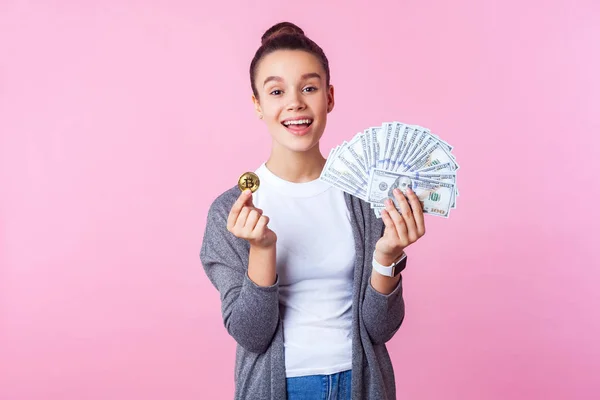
{"x":300,"y":147}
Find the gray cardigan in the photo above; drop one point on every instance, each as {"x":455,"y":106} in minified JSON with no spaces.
{"x":251,"y":312}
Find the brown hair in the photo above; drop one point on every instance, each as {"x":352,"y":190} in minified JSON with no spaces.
{"x":286,"y":36}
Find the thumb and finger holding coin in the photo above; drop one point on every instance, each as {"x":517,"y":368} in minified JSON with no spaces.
{"x":245,"y":220}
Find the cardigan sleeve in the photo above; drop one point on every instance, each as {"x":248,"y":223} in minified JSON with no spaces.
{"x":383,"y":313}
{"x":250,"y":312}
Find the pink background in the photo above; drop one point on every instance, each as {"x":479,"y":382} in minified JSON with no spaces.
{"x":121,"y":121}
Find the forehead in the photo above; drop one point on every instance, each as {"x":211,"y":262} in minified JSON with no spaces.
{"x":288,"y":64}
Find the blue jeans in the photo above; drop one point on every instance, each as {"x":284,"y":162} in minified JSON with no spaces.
{"x":320,"y":387}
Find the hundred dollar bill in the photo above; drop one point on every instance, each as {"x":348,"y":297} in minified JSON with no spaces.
{"x":431,"y":178}
{"x":330,"y":156}
{"x":425,"y":142}
{"x":442,"y":177}
{"x":368,"y":155}
{"x":344,"y":164}
{"x":343,"y":181}
{"x":358,"y":148}
{"x":343,"y":186}
{"x":435,"y":196}
{"x":438,"y":167}
{"x":445,"y":144}
{"x":436,"y":154}
{"x":355,"y":153}
{"x":384,"y":136}
{"x":395,"y":126}
{"x":333,"y":175}
{"x":373,"y":134}
{"x":411,"y":135}
{"x":420,"y":135}
{"x":434,"y":176}
{"x":402,"y":130}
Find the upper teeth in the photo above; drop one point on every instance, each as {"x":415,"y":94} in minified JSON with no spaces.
{"x":298,"y":122}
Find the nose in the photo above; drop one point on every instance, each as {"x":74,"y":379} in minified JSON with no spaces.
{"x":295,"y":102}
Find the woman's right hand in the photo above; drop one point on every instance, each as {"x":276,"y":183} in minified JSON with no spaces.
{"x":248,"y":222}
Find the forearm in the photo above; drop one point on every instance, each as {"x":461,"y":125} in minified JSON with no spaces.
{"x":383,"y":306}
{"x":384,"y":284}
{"x":252,"y":318}
{"x":262,"y":265}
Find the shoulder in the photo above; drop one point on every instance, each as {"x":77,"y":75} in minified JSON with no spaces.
{"x":217,"y":239}
{"x":221,"y":205}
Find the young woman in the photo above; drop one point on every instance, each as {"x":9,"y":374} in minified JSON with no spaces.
{"x":294,"y":261}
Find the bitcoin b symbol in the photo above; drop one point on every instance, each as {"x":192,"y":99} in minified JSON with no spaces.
{"x":249,"y":183}
{"x":249,"y":180}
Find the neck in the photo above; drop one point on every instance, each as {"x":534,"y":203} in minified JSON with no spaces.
{"x":296,"y":166}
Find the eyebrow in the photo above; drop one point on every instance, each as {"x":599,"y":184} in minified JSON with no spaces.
{"x":304,"y":77}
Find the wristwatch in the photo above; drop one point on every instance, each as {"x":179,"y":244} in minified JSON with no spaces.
{"x":391,"y":270}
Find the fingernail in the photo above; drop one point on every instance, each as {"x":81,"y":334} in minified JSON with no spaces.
{"x":396,"y":191}
{"x":409,"y":190}
{"x":388,"y":202}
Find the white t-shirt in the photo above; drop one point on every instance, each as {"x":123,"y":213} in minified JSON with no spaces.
{"x":315,"y":264}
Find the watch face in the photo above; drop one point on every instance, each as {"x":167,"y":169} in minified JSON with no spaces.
{"x":400,"y":265}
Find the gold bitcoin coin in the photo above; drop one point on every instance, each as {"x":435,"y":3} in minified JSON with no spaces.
{"x":249,"y":180}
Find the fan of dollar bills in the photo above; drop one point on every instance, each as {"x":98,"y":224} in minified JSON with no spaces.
{"x":395,"y":155}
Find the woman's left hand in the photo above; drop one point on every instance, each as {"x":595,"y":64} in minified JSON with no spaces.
{"x":401,"y":228}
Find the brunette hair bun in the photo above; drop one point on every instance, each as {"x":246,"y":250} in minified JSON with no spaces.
{"x":286,"y":36}
{"x":281,"y":28}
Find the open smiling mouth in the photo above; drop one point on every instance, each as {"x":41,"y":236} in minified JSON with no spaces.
{"x":299,"y":126}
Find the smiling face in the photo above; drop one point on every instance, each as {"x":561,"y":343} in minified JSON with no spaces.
{"x":293,"y":98}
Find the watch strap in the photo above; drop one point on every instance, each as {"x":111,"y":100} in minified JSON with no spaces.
{"x":390,"y":270}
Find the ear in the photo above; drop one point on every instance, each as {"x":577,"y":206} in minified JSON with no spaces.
{"x":257,"y":107}
{"x":330,"y":98}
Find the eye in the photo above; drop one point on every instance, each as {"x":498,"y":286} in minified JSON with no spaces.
{"x":310,"y":89}
{"x":276,"y":92}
